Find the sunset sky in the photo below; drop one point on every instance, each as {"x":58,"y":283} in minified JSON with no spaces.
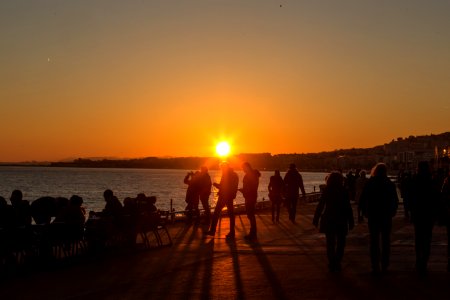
{"x":172,"y":78}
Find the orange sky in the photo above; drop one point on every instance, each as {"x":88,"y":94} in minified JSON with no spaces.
{"x":158,"y":78}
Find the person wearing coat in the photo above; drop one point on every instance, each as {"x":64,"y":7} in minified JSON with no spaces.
{"x":335,"y":216}
{"x":424,"y":212}
{"x":379,"y":203}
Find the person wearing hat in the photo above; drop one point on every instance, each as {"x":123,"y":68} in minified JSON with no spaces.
{"x":293,"y":182}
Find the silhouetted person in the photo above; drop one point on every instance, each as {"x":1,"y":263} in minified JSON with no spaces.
{"x":359,"y":187}
{"x":445,"y":198}
{"x":113,"y":205}
{"x":405,"y":192}
{"x":276,"y":188}
{"x":250,"y":192}
{"x":43,"y":209}
{"x":205,"y":190}
{"x":350,"y":181}
{"x":146,"y":204}
{"x":293,"y":182}
{"x":424,"y":211}
{"x":22,"y":210}
{"x":6,"y":214}
{"x":74,"y":214}
{"x":192,"y":193}
{"x":228,"y":187}
{"x":379,"y":202}
{"x":336,"y":218}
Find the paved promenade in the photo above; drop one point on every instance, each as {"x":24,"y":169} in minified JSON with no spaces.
{"x":287,"y":262}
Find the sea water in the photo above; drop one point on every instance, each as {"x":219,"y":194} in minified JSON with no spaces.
{"x":89,"y":183}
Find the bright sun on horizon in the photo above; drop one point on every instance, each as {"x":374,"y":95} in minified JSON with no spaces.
{"x":223,"y":149}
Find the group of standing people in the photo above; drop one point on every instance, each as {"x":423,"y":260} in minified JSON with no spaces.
{"x":287,"y":190}
{"x":199,"y":183}
{"x":378,"y":202}
{"x":228,"y":188}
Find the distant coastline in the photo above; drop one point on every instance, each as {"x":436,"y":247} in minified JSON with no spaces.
{"x":402,"y":153}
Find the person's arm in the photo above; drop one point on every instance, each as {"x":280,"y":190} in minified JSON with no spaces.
{"x":319,"y":210}
{"x":302,"y":188}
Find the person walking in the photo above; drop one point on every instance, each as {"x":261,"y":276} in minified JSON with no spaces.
{"x":359,"y":187}
{"x":250,"y":192}
{"x":205,"y":190}
{"x":228,"y":188}
{"x":336,"y":218}
{"x":445,"y":213}
{"x":293,"y":182}
{"x":276,"y":188}
{"x":424,"y":210}
{"x":379,"y":203}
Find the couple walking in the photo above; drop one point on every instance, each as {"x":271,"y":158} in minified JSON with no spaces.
{"x":228,"y":188}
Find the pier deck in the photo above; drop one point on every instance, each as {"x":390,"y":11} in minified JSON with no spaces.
{"x":287,"y":262}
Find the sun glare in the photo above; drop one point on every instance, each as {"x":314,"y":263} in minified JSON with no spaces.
{"x":223,"y":149}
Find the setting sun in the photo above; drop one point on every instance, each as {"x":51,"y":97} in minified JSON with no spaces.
{"x":223,"y":149}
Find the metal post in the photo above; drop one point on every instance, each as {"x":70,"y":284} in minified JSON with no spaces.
{"x":171,"y":210}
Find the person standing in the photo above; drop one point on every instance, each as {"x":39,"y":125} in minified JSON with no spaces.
{"x":379,"y":203}
{"x":249,"y":190}
{"x":192,"y":194}
{"x":293,"y":182}
{"x":228,"y":188}
{"x":359,"y":187}
{"x":445,"y":213}
{"x":205,"y":190}
{"x":424,"y":210}
{"x":276,"y":187}
{"x":336,"y":218}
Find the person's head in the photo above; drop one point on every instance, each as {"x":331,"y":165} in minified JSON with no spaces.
{"x":277,"y":173}
{"x":362,"y":174}
{"x":141,"y":197}
{"x":246,"y":167}
{"x":152,"y":199}
{"x":224,"y":166}
{"x":204,"y":169}
{"x":16,"y":197}
{"x":334,"y":180}
{"x":108,"y":194}
{"x":76,"y":200}
{"x":379,"y":170}
{"x":292,"y":167}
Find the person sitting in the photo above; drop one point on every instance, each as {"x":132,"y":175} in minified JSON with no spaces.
{"x":42,"y":210}
{"x":6,"y":214}
{"x":113,"y":207}
{"x":22,"y":210}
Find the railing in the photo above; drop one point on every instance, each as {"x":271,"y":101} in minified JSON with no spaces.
{"x":173,"y":215}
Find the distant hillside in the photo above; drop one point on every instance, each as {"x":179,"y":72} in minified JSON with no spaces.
{"x":402,"y":153}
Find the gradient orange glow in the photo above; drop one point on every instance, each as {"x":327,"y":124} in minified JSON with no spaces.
{"x":168,"y":78}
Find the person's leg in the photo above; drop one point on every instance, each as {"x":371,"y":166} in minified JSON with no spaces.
{"x":206,"y":208}
{"x":294,"y":208}
{"x":250,"y":210}
{"x":374,"y":231}
{"x":331,"y":250}
{"x":340,"y":247}
{"x":448,"y":245}
{"x":278,"y":211}
{"x":386,"y":245}
{"x":217,"y":210}
{"x":230,"y":209}
{"x":273,"y":210}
